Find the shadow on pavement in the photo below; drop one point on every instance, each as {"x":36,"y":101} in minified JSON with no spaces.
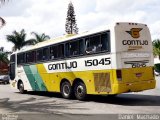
{"x":128,"y":99}
{"x":52,"y":106}
{"x":34,"y":105}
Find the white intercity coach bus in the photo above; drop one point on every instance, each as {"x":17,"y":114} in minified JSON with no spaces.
{"x":116,"y":60}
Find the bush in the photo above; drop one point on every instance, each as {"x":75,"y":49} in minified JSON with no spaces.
{"x":157,"y":67}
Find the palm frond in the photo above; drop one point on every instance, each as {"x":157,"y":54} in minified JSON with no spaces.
{"x":4,"y":57}
{"x":29,"y":42}
{"x":19,"y":40}
{"x":3,"y":1}
{"x":40,"y":37}
{"x":2,"y":22}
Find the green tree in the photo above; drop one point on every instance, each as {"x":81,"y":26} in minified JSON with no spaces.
{"x":40,"y":37}
{"x":156,"y":47}
{"x":19,"y":40}
{"x":71,"y":26}
{"x":4,"y":55}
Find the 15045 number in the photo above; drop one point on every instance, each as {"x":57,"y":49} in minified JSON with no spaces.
{"x":96,"y":62}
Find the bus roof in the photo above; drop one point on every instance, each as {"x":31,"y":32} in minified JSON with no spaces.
{"x":61,"y":39}
{"x":70,"y":37}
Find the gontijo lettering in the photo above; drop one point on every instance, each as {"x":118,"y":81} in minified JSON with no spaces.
{"x":135,"y":42}
{"x":64,"y":65}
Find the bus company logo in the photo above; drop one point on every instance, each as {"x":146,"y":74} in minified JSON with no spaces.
{"x":134,"y":32}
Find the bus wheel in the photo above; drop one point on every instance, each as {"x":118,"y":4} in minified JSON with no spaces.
{"x":21,"y":88}
{"x":66,"y":90}
{"x":80,"y":91}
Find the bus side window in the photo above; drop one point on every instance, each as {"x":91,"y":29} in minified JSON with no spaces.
{"x":81,"y":47}
{"x":93,"y":45}
{"x":87,"y":48}
{"x":39,"y":54}
{"x":45,"y":53}
{"x":105,"y":41}
{"x":60,"y":51}
{"x":21,"y":58}
{"x":30,"y":56}
{"x":74,"y":48}
{"x":67,"y":50}
{"x":53,"y":52}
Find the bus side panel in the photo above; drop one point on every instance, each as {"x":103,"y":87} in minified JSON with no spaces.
{"x":50,"y":80}
{"x":34,"y":78}
{"x":95,"y":80}
{"x":21,"y":75}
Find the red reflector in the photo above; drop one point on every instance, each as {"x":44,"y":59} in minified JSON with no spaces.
{"x":153,"y":71}
{"x":138,"y":74}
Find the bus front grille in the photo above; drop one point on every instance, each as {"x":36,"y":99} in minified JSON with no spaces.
{"x":102,"y":82}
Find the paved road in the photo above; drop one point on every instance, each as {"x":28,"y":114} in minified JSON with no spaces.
{"x":46,"y":105}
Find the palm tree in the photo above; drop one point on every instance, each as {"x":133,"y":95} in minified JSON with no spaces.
{"x":4,"y":55}
{"x":2,"y":21}
{"x":19,"y":40}
{"x":156,"y":47}
{"x":40,"y":37}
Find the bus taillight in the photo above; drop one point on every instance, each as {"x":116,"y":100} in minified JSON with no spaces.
{"x":119,"y":74}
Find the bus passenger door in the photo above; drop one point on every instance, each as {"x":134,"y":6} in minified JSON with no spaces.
{"x":12,"y":67}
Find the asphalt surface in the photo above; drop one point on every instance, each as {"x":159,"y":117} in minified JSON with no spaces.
{"x":48,"y":106}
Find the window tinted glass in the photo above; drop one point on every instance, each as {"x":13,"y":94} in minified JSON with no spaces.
{"x":60,"y":51}
{"x":57,"y":51}
{"x":105,"y":41}
{"x":39,"y":55}
{"x":67,"y":49}
{"x":74,"y":48}
{"x":12,"y":58}
{"x":53,"y":52}
{"x":81,"y":47}
{"x":30,"y":56}
{"x":93,"y":44}
{"x":97,"y":43}
{"x":45,"y":53}
{"x":21,"y":58}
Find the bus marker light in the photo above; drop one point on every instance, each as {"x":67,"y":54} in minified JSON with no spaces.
{"x":129,"y":84}
{"x":89,"y":80}
{"x":138,"y":74}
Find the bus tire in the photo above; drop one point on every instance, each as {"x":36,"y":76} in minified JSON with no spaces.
{"x":21,"y":87}
{"x":80,"y":91}
{"x":66,"y":90}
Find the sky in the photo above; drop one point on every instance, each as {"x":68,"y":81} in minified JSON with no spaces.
{"x":49,"y":16}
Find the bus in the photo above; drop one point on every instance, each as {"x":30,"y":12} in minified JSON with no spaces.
{"x":111,"y":61}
